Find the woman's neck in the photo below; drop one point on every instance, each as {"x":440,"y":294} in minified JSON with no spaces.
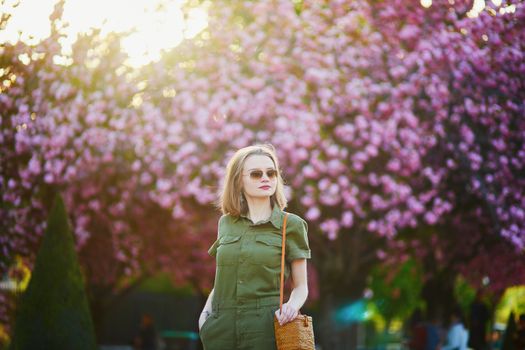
{"x":259,"y":209}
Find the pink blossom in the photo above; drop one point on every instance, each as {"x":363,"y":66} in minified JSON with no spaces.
{"x":409,"y":32}
{"x":313,"y":213}
{"x":347,"y":219}
{"x":430,"y":218}
{"x":415,"y":206}
{"x":309,"y":172}
{"x":330,"y":228}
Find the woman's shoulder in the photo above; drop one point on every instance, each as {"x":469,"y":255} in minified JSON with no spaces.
{"x":295,"y":220}
{"x":228,"y":219}
{"x":225,"y":219}
{"x":225,"y":224}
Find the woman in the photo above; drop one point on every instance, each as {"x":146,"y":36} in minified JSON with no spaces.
{"x":240,"y":308}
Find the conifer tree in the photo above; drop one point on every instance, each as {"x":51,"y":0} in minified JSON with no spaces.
{"x":53,"y":312}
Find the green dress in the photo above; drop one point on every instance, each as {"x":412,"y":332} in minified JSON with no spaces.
{"x":247,"y":279}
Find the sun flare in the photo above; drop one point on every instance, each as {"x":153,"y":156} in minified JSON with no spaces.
{"x":155,"y":25}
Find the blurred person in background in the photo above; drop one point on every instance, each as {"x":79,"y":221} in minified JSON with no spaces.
{"x":479,"y":317}
{"x":147,"y":337}
{"x":418,"y":332}
{"x":519,"y":340}
{"x":457,"y":336}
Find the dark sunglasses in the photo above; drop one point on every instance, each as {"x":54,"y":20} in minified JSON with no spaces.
{"x":258,"y":174}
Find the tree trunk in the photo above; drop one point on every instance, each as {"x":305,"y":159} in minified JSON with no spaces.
{"x":343,"y":267}
{"x":335,"y":294}
{"x":438,"y":294}
{"x":102,"y":300}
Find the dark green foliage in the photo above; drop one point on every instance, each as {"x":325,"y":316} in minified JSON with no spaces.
{"x":510,"y":331}
{"x":397,"y":289}
{"x":53,"y":312}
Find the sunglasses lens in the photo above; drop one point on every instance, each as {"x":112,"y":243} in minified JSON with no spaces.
{"x":256,"y":175}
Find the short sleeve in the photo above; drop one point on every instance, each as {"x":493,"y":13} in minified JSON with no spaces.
{"x":213,"y":249}
{"x":297,"y":246}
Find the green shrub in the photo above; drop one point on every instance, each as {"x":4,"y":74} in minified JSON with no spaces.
{"x":53,"y":312}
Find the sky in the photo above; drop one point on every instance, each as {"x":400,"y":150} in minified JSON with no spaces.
{"x":155,"y":30}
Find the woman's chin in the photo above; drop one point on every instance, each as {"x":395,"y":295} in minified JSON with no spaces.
{"x":259,"y":196}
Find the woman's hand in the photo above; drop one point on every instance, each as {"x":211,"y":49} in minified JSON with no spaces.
{"x":289,"y":314}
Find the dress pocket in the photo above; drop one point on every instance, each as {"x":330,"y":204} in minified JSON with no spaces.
{"x":228,"y":250}
{"x":267,"y":250}
{"x":203,"y":333}
{"x":205,"y":324}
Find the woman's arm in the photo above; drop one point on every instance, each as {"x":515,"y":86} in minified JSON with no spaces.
{"x":299,"y":292}
{"x":206,"y":311}
{"x":299,"y":284}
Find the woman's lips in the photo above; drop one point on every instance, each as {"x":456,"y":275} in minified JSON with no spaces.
{"x":265,"y":187}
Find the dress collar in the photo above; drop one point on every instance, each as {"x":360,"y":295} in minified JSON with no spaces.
{"x":276,"y":218}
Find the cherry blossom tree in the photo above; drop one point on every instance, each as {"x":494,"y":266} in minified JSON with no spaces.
{"x":387,"y":117}
{"x":459,"y":74}
{"x":383,"y":141}
{"x":69,"y":127}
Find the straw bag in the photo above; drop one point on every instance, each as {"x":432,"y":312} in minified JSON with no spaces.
{"x":299,"y":333}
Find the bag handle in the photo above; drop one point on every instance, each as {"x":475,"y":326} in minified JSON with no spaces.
{"x":282,"y":265}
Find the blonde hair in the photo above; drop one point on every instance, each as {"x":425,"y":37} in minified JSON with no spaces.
{"x":230,"y":200}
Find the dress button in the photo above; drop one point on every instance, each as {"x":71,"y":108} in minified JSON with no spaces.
{"x":240,"y":281}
